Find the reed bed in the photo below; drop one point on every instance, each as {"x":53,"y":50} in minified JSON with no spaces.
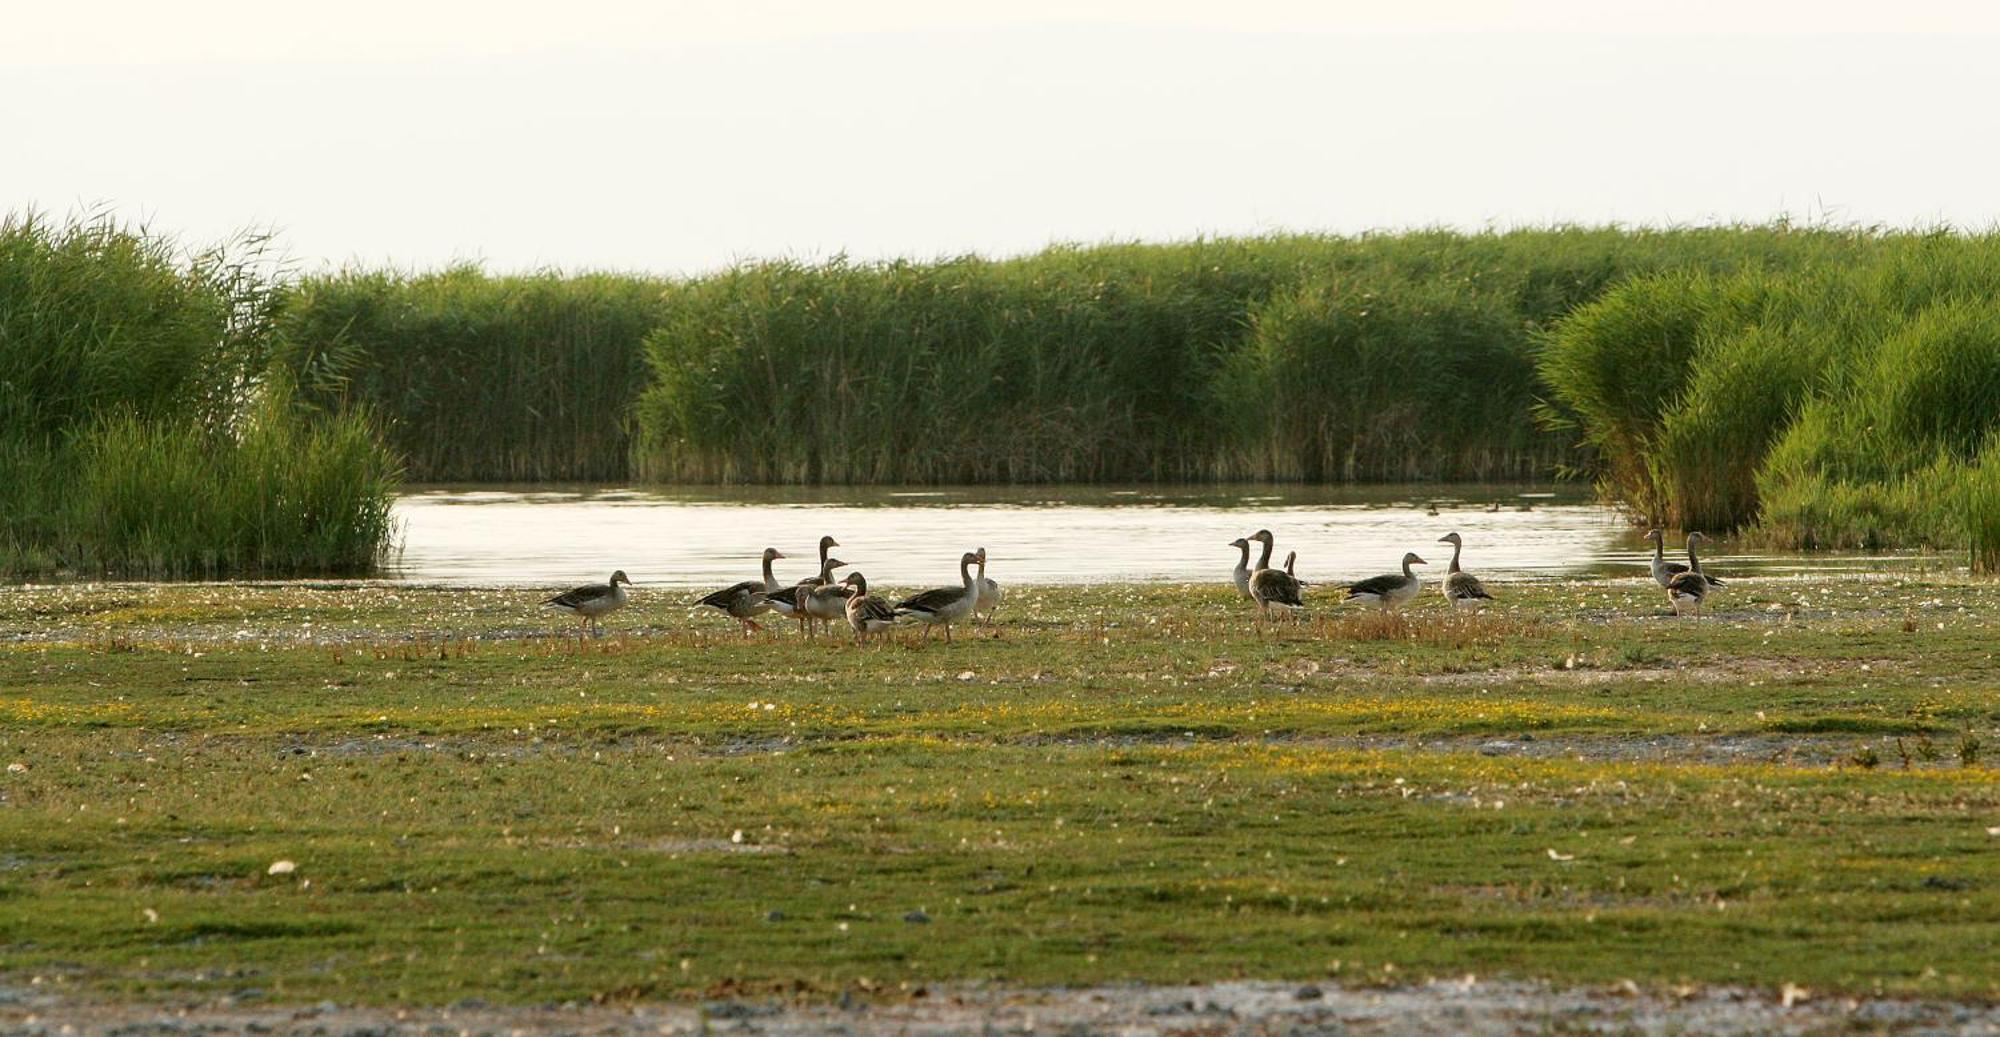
{"x":1292,"y":357}
{"x":140,"y":431}
{"x":1847,"y":406}
{"x":479,"y":378}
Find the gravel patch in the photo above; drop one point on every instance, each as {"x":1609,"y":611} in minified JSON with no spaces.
{"x":1480,"y":1009}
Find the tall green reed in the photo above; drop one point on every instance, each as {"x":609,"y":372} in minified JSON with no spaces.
{"x":283,"y":492}
{"x":140,"y":430}
{"x":476,"y":377}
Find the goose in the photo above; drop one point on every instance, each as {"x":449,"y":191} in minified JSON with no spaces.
{"x":786,"y":601}
{"x":989,"y":591}
{"x":1270,"y":586}
{"x":592,"y":602}
{"x":827,"y":601}
{"x":943,"y":605}
{"x":1291,"y":558}
{"x":743,"y":600}
{"x":1686,"y":590}
{"x":1389,"y":590}
{"x":1663,"y":570}
{"x":1275,"y":588}
{"x":749,"y":597}
{"x":865,"y":613}
{"x":1461,"y":588}
{"x":1241,"y":574}
{"x":1690,"y":588}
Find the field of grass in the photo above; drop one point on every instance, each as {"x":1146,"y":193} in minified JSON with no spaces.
{"x":1115,"y":783}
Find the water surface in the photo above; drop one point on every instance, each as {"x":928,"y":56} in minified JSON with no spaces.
{"x":707,"y":537}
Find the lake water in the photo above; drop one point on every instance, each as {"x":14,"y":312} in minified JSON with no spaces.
{"x":558,"y":536}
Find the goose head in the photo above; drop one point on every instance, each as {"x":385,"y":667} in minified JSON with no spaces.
{"x":620,"y":577}
{"x":969,"y":558}
{"x":1239,"y":542}
{"x":981,"y":553}
{"x":833,"y":563}
{"x":856,"y":581}
{"x":1262,"y":536}
{"x":1410,"y":558}
{"x":772,"y":554}
{"x":1653,"y":534}
{"x":1452,"y":539}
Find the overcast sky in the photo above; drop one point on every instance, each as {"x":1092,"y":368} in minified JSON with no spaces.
{"x":679,"y":137}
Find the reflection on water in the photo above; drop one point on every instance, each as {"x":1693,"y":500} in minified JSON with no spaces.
{"x":706,"y":537}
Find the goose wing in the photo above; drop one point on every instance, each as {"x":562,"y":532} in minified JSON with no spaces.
{"x":1463,"y":586}
{"x":787,"y":602}
{"x":1688,"y":584}
{"x":1274,"y":585}
{"x":733,"y":593}
{"x":931,"y":600}
{"x":1377,"y":585}
{"x":570,"y":599}
{"x":870,"y":609}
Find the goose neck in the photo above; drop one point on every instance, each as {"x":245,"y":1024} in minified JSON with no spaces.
{"x":1456,"y":547}
{"x":1264,"y":557}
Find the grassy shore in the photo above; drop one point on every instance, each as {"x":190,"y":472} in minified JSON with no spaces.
{"x":1117,"y":783}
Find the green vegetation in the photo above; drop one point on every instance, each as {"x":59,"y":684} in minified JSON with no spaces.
{"x":479,"y":378}
{"x":139,"y":431}
{"x":1290,"y":357}
{"x":1825,"y":388}
{"x":1408,"y":356}
{"x":1125,"y":783}
{"x":1829,"y":408}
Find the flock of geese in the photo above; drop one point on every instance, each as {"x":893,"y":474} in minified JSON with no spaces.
{"x":819,"y":601}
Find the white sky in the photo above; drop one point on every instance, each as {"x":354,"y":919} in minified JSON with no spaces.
{"x":679,"y":137}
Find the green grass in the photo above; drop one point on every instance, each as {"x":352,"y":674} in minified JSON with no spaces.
{"x":141,"y":431}
{"x":1834,"y":406}
{"x":1119,"y":783}
{"x":1414,"y":354}
{"x":478,"y":378}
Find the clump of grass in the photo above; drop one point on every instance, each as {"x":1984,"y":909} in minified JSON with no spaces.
{"x":140,"y":432}
{"x":1982,"y":510}
{"x":1968,"y":748}
{"x":284,"y":493}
